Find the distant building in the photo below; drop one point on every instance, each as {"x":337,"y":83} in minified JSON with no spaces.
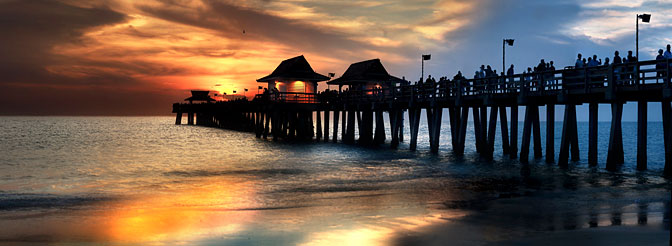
{"x":294,"y":79}
{"x":366,"y":75}
{"x":199,"y":96}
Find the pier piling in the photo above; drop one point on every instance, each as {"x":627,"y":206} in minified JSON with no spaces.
{"x":592,"y":133}
{"x":641,"y":135}
{"x":550,"y":133}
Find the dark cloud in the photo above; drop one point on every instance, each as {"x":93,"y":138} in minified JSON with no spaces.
{"x":229,"y":20}
{"x":30,"y":31}
{"x":32,"y":28}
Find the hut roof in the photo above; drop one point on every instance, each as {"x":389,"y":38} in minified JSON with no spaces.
{"x":296,"y":68}
{"x":364,"y":72}
{"x":199,"y":96}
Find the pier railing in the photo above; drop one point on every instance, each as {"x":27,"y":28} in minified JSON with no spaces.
{"x":570,"y":80}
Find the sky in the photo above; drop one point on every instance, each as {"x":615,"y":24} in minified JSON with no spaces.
{"x":121,"y":57}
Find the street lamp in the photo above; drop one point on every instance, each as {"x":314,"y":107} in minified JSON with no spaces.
{"x":424,"y":57}
{"x":504,"y":43}
{"x":645,"y":18}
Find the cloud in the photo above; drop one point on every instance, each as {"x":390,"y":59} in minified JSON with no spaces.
{"x":30,"y":30}
{"x":163,"y":47}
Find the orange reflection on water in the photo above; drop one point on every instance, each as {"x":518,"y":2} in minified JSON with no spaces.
{"x":382,"y":232}
{"x":208,"y":210}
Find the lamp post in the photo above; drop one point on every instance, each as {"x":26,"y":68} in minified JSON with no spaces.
{"x":424,"y":57}
{"x":645,"y":18}
{"x":504,"y":43}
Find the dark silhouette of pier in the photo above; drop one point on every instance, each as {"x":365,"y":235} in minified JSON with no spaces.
{"x":289,"y":115}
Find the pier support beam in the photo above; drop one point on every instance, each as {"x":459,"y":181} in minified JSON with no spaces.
{"x":667,"y":137}
{"x":536,"y":132}
{"x":344,"y":126}
{"x":615,"y":153}
{"x":336,"y":114}
{"x":454,"y":126}
{"x":490,"y":149}
{"x":318,"y":127}
{"x":527,"y":131}
{"x":366,"y":129}
{"x":190,"y":118}
{"x":569,"y":139}
{"x":477,"y":129}
{"x":379,"y":135}
{"x":592,"y":134}
{"x":641,"y":135}
{"x":504,"y":130}
{"x":394,"y":116}
{"x":484,"y":129}
{"x":463,"y":129}
{"x":275,"y":127}
{"x":350,"y":132}
{"x":531,"y":127}
{"x":326,"y":125}
{"x":259,"y":124}
{"x":178,"y":118}
{"x":513,"y":146}
{"x":550,"y":133}
{"x":401,"y":126}
{"x":434,"y":122}
{"x":267,"y":124}
{"x":414,"y":115}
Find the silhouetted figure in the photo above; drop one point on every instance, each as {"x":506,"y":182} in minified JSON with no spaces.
{"x":606,"y":61}
{"x":510,"y":74}
{"x":617,"y":58}
{"x":631,"y":68}
{"x":617,"y":69}
{"x":542,"y":66}
{"x":631,"y":58}
{"x":578,"y":63}
{"x":668,"y":53}
{"x":488,"y":71}
{"x":458,"y":80}
{"x":660,"y":66}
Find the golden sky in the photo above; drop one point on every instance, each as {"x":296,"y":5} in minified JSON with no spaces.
{"x":136,"y":57}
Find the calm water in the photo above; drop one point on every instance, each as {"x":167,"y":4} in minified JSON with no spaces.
{"x":145,"y":181}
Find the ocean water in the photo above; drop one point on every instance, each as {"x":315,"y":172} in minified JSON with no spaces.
{"x":146,"y":181}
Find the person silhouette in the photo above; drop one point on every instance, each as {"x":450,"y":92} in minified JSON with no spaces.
{"x":578,"y":63}
{"x":668,"y":53}
{"x":660,"y":65}
{"x":617,"y":58}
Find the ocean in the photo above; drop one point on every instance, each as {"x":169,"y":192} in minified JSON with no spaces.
{"x":146,"y":181}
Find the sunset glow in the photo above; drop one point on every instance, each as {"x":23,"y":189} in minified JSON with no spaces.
{"x":135,"y":51}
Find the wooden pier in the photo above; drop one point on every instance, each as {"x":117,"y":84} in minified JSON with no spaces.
{"x":289,"y":116}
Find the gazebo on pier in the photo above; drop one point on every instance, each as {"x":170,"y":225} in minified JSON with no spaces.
{"x":366,"y":75}
{"x":199,"y":96}
{"x":293,"y":81}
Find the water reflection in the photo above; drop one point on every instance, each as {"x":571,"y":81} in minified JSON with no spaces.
{"x":166,"y":184}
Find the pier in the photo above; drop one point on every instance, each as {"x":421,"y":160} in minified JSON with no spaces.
{"x":290,"y":115}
